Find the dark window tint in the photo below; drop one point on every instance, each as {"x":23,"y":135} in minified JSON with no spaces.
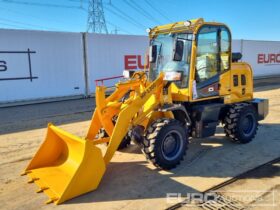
{"x":225,"y":49}
{"x":235,"y":80}
{"x":243,"y":79}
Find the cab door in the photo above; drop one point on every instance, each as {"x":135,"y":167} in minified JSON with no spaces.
{"x":212,"y":61}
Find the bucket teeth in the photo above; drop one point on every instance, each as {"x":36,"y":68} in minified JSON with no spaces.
{"x":32,"y":180}
{"x":51,"y":200}
{"x":42,"y":189}
{"x":25,"y":173}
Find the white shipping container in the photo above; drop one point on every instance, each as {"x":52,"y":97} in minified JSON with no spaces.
{"x":109,"y":55}
{"x":236,"y":46}
{"x":40,"y":65}
{"x":263,"y":56}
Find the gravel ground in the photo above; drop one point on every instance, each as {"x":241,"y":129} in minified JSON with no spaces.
{"x":130,"y":182}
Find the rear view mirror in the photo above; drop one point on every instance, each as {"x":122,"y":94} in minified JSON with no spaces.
{"x":153,"y":53}
{"x":179,"y":50}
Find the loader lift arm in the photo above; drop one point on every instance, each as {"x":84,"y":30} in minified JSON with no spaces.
{"x":67,"y":166}
{"x":126,"y":112}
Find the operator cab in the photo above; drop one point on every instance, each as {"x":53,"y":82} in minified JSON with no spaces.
{"x":191,"y":54}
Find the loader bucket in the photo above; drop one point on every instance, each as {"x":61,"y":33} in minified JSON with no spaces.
{"x":65,"y":166}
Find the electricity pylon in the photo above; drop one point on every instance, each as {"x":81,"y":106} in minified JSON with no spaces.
{"x":96,"y":21}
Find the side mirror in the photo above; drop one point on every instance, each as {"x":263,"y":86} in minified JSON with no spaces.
{"x":153,"y":53}
{"x":179,"y":50}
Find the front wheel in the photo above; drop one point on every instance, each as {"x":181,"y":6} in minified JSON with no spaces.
{"x":165,"y":143}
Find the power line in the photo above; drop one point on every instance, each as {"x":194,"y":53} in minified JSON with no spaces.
{"x":78,"y":1}
{"x":112,"y":24}
{"x":124,"y":16}
{"x":115,"y":31}
{"x":26,"y":24}
{"x":96,"y":19}
{"x":39,"y":4}
{"x":81,"y":3}
{"x":113,"y":12}
{"x":118,"y":28}
{"x":12,"y":25}
{"x":119,"y":13}
{"x":116,"y":12}
{"x":158,"y":11}
{"x":140,"y":10}
{"x":32,"y":16}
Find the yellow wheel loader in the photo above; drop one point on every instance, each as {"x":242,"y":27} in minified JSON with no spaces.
{"x":193,"y":84}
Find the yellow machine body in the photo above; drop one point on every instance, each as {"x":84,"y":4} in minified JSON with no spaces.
{"x":66,"y":166}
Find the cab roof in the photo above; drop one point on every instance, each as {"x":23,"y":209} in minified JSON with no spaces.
{"x":182,"y":26}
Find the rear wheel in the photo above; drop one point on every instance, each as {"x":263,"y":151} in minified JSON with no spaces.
{"x":241,"y":123}
{"x":165,"y":143}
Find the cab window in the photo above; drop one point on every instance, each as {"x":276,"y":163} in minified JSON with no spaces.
{"x":213,"y":52}
{"x":225,"y":49}
{"x":207,"y":55}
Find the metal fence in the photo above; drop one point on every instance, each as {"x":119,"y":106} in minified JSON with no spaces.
{"x":42,"y":66}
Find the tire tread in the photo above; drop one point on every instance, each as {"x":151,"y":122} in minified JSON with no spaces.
{"x":150,"y":139}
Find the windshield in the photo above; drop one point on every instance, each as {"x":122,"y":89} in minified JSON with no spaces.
{"x":164,"y":62}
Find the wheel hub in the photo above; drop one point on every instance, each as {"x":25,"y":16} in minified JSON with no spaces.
{"x":169,"y":144}
{"x":172,"y":145}
{"x":247,"y":124}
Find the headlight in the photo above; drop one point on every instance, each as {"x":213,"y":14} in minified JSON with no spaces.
{"x":128,"y":73}
{"x":148,"y":30}
{"x":172,"y":76}
{"x":187,"y":23}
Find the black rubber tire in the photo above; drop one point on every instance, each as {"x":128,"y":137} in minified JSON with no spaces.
{"x":234,"y":123}
{"x":125,"y":142}
{"x":155,"y":142}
